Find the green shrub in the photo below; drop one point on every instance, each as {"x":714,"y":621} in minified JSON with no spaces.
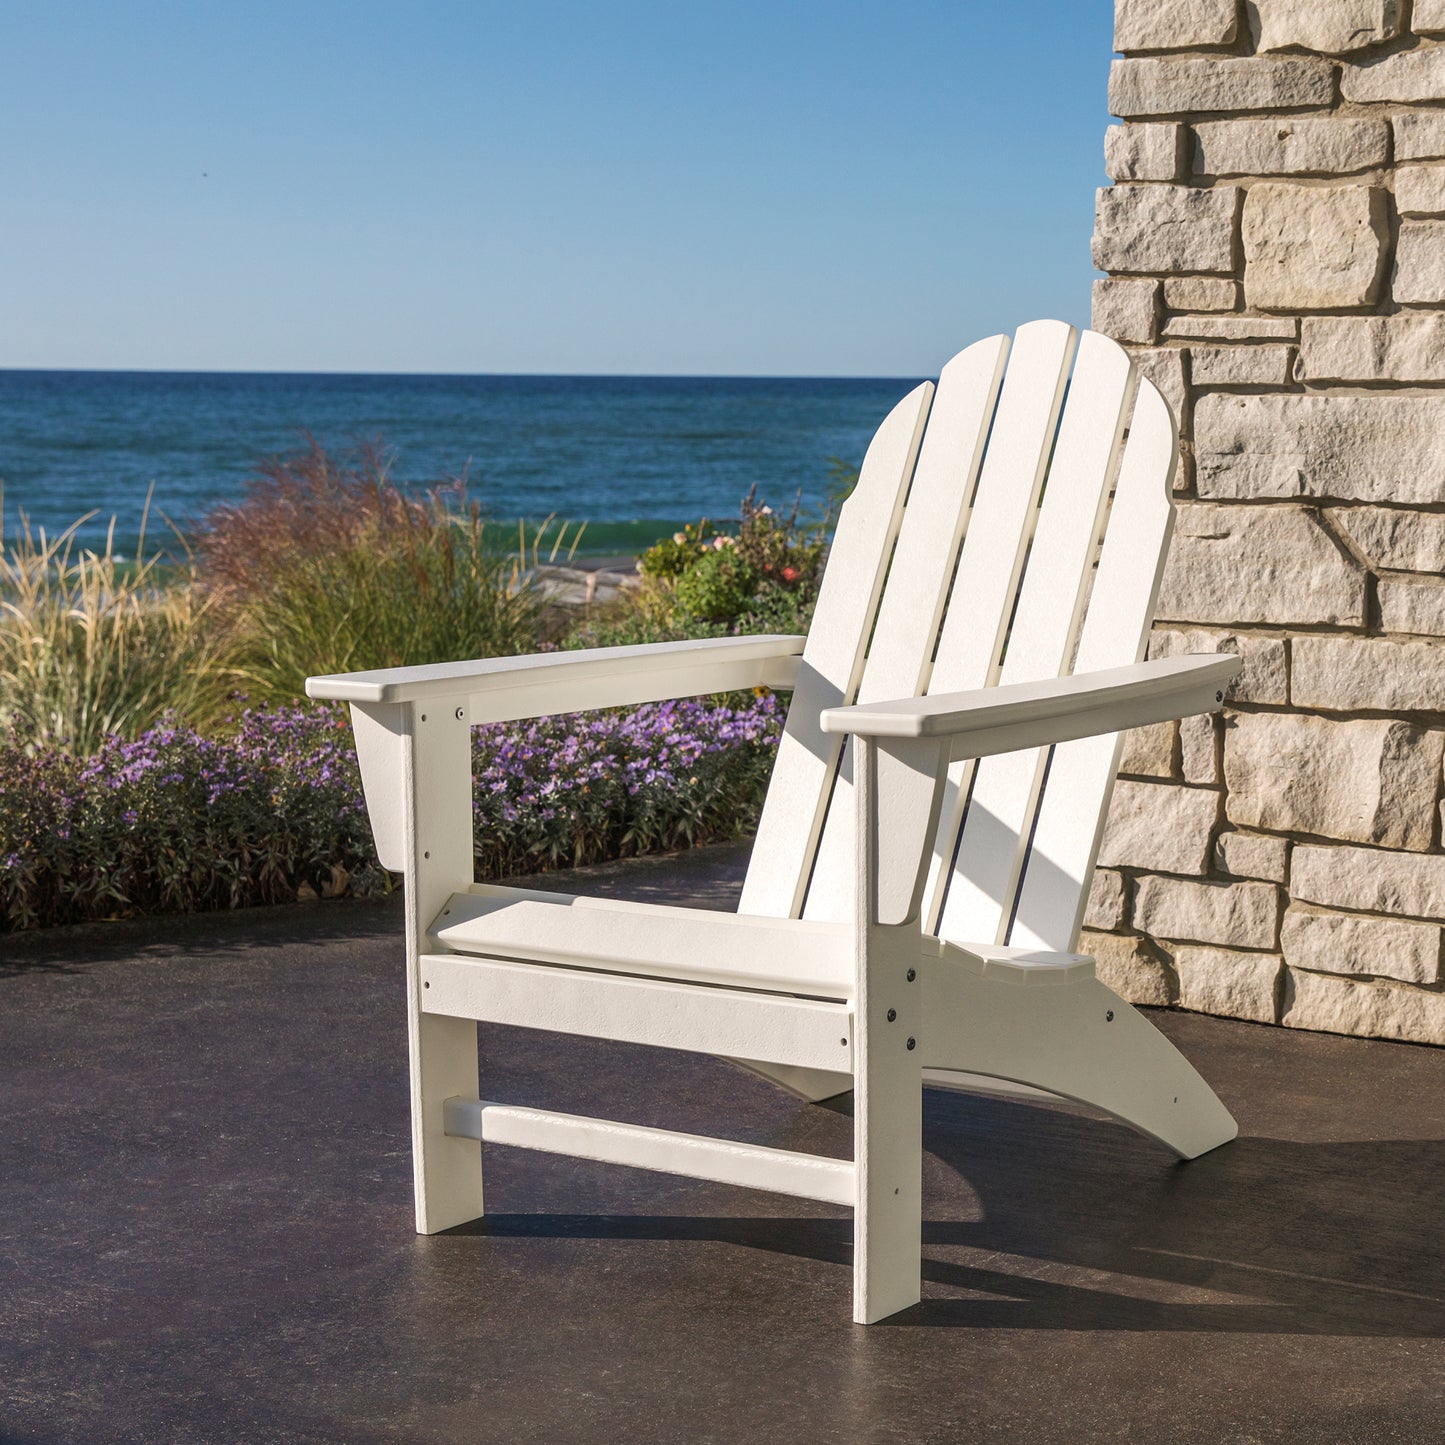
{"x":703,"y":582}
{"x":718,"y":586}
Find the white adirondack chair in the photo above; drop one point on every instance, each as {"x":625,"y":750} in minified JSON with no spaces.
{"x":915,"y":895}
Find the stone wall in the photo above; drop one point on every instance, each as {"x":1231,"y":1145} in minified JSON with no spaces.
{"x":1274,"y":243}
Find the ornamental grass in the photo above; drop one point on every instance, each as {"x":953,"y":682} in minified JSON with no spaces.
{"x":93,"y":644}
{"x":326,"y":566}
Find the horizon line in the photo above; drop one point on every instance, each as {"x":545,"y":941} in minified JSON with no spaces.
{"x":527,"y":375}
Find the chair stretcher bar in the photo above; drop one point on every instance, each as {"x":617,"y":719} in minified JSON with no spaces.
{"x":753,"y":1166}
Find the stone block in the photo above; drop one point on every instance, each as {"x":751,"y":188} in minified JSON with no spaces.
{"x":1375,"y":674}
{"x":1420,"y":190}
{"x":1335,"y":1005}
{"x":1165,"y":85}
{"x":1311,"y":248}
{"x":1290,"y":145}
{"x":1132,"y":967}
{"x":1334,"y":27}
{"x":1174,"y":24}
{"x":1381,"y":447}
{"x":1240,"y":915}
{"x":1198,"y":755}
{"x":1399,"y":540}
{"x":1367,"y":781}
{"x":1149,"y":751}
{"x":1419,"y":135}
{"x":1200,"y":293}
{"x":1127,"y":310}
{"x":1409,"y":346}
{"x":1273,"y":565}
{"x":1105,"y":908}
{"x":1420,"y":263}
{"x":1263,"y":671}
{"x":1427,"y":17}
{"x":1233,"y":985}
{"x":1414,"y":605}
{"x":1164,"y":366}
{"x":1252,"y":855}
{"x":1165,"y":228}
{"x":1351,"y":943}
{"x":1144,"y":151}
{"x":1159,"y":826}
{"x":1404,"y":77}
{"x":1231,"y":328}
{"x":1241,"y":365}
{"x":1368,"y":880}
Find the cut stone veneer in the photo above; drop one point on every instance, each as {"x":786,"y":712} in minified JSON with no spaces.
{"x":1273,"y":246}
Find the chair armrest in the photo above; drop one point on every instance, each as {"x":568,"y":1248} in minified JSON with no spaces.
{"x":548,"y":682}
{"x":1035,"y":714}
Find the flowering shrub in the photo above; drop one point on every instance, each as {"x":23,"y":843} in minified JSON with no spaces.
{"x":177,"y":822}
{"x":704,"y":582}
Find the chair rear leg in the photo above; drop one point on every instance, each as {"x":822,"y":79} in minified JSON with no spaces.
{"x":888,"y":1130}
{"x":887,"y":1220}
{"x":1078,"y":1040}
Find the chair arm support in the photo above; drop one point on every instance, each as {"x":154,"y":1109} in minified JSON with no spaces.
{"x":1036,"y":714}
{"x":501,"y":688}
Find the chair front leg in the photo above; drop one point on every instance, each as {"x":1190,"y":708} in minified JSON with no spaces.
{"x":896,"y":796}
{"x":416,"y":765}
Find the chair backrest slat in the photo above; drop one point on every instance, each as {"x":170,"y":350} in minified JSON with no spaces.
{"x":900,"y":654}
{"x":1116,"y":633}
{"x":832,"y":663}
{"x":989,"y":862}
{"x":999,"y":529}
{"x":1030,"y":532}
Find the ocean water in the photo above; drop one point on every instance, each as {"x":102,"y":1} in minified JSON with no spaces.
{"x":633,"y":457}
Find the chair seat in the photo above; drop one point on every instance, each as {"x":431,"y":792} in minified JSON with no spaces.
{"x":694,"y":945}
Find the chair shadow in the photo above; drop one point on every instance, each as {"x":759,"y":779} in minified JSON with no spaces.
{"x":1085,"y":1226}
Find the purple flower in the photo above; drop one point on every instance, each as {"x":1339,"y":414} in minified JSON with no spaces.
{"x":172,"y":820}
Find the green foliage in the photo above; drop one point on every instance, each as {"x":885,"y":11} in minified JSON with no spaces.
{"x":668,"y":559}
{"x":718,"y":586}
{"x":705,"y":582}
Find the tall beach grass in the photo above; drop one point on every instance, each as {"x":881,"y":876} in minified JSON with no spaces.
{"x":94,"y":644}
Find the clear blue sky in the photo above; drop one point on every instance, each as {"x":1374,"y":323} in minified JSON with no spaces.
{"x":823,"y":188}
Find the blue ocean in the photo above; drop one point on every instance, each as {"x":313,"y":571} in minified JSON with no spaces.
{"x":633,"y":457}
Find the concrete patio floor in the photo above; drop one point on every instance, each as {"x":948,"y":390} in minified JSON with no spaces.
{"x":206,"y":1222}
